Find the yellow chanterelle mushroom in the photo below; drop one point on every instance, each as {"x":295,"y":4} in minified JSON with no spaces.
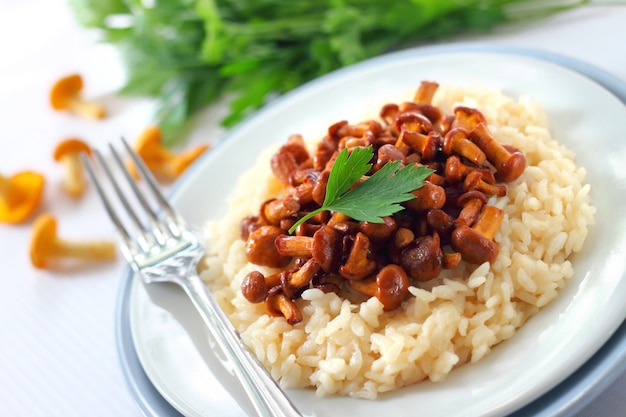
{"x":65,"y":95}
{"x":20,"y":195}
{"x":46,"y":246}
{"x":68,"y":153}
{"x":163,"y":163}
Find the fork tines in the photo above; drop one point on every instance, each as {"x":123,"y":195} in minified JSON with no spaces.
{"x":161,"y":230}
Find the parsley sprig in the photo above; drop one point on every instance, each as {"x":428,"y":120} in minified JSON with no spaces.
{"x":378,"y":196}
{"x":188,"y":54}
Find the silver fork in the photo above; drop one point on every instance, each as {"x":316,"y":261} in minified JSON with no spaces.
{"x":166,"y":250}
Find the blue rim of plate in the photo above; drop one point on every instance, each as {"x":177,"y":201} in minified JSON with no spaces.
{"x":566,"y":399}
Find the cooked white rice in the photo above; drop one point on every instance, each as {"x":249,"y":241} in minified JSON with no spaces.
{"x":360,"y":351}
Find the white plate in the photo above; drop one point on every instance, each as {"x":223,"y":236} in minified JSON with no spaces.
{"x":174,"y":348}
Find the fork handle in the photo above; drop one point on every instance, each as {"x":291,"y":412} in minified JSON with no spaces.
{"x":268,"y":399}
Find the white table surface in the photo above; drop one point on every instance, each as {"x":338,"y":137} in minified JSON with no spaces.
{"x":57,"y":345}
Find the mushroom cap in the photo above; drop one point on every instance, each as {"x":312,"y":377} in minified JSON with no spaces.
{"x":23,"y":195}
{"x":149,"y":140}
{"x":474,"y":247}
{"x":261,"y":248}
{"x":277,"y":304}
{"x":42,"y":239}
{"x":512,"y":168}
{"x":471,"y":195}
{"x":70,"y":146}
{"x":392,"y":286}
{"x":63,"y":89}
{"x":413,"y":121}
{"x":253,"y":287}
{"x":468,"y":117}
{"x":451,"y":136}
{"x":379,"y":232}
{"x":422,"y":258}
{"x":326,"y":248}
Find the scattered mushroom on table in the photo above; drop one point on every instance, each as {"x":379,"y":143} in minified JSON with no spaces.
{"x":20,"y":195}
{"x":65,"y":95}
{"x":448,"y":221}
{"x":161,"y":161}
{"x":46,"y":247}
{"x":67,"y":152}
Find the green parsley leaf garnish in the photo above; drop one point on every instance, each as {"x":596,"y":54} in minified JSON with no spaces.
{"x":378,"y":196}
{"x":188,"y":54}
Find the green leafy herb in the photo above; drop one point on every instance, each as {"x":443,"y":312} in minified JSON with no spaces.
{"x":190,"y":53}
{"x":374,"y":198}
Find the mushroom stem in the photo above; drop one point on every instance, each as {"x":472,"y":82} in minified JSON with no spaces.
{"x":84,"y":108}
{"x":456,"y":142}
{"x":489,"y":221}
{"x":303,"y":276}
{"x":366,"y":286}
{"x":73,"y":181}
{"x":471,"y":204}
{"x":450,"y":260}
{"x":509,"y":165}
{"x":89,"y":250}
{"x":426,"y":144}
{"x":358,"y":265}
{"x":425,"y":92}
{"x":474,"y":181}
{"x":456,"y":171}
{"x":46,"y":245}
{"x":294,"y":246}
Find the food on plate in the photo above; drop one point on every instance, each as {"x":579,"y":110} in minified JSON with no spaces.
{"x":162,"y":162}
{"x":66,"y":95}
{"x":20,"y":195}
{"x":47,"y":248}
{"x":498,"y":220}
{"x":375,"y":222}
{"x":67,"y":152}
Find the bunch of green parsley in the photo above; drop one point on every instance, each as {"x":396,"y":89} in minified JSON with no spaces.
{"x":189,"y":53}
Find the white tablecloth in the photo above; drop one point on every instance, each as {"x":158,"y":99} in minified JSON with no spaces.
{"x":57,"y":347}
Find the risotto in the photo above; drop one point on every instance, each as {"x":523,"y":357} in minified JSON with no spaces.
{"x":357,"y":349}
